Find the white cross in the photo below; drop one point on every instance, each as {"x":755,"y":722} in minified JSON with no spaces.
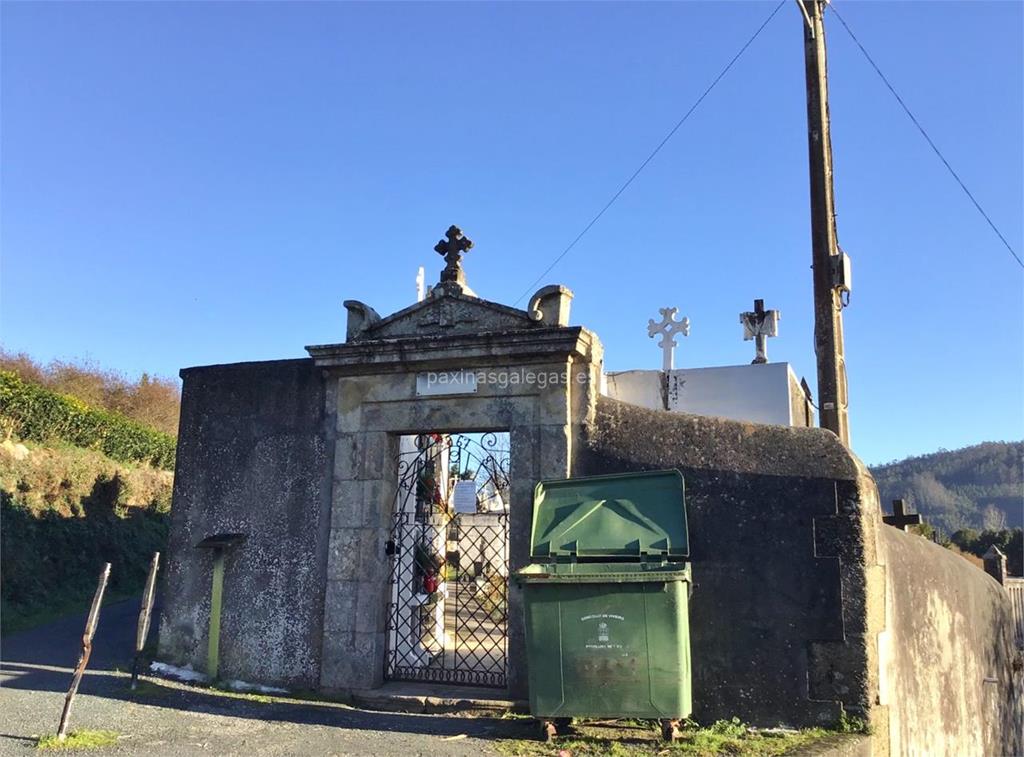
{"x":420,"y":288}
{"x":668,"y":328}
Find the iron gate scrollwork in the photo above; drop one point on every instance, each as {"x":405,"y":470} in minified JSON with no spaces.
{"x":448,"y":552}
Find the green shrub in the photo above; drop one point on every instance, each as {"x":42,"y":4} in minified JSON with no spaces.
{"x":852,"y":724}
{"x":50,"y":562}
{"x":34,"y":413}
{"x":734,"y":728}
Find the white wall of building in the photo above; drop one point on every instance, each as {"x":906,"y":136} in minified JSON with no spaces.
{"x":759,"y":393}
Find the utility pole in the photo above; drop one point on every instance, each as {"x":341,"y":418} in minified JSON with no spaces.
{"x":830,"y":265}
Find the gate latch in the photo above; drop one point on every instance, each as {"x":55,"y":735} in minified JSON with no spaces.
{"x":390,"y":549}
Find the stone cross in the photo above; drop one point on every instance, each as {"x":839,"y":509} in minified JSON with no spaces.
{"x":668,"y":328}
{"x":759,"y":325}
{"x":452,"y":249}
{"x":900,"y":518}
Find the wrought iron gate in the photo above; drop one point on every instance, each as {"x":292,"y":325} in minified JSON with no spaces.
{"x":449,"y":560}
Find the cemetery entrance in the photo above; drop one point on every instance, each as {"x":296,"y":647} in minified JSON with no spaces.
{"x":448,"y":552}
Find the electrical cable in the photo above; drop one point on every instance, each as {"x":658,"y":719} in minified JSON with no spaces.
{"x":924,"y":134}
{"x":679,"y":123}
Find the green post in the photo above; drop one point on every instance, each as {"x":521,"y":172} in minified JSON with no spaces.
{"x":220,"y":544}
{"x":216,"y":592}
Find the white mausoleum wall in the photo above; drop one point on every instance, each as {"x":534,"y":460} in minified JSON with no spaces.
{"x":764,"y":393}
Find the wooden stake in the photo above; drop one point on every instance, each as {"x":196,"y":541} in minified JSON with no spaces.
{"x":145,"y":613}
{"x":83,"y":660}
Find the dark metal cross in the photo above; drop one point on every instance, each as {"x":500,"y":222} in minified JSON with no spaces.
{"x":758,"y":325}
{"x":900,"y":517}
{"x":452,"y":249}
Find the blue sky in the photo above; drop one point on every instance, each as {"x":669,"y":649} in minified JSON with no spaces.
{"x":191,"y":183}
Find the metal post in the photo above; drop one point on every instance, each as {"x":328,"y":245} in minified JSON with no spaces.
{"x":828,"y":318}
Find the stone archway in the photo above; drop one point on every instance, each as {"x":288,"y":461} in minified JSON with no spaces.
{"x":452,"y":363}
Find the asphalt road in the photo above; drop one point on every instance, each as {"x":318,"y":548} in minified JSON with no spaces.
{"x":166,"y":718}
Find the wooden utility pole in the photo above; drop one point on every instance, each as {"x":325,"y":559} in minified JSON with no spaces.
{"x":826,"y":259}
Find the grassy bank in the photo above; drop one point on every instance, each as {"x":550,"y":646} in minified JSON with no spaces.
{"x":66,"y":511}
{"x":34,"y":413}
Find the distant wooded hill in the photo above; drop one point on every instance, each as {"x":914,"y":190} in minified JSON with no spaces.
{"x":979,"y":487}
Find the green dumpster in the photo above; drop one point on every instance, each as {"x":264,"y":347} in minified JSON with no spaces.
{"x":605,"y":599}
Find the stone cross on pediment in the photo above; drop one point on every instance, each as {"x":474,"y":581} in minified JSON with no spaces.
{"x":452,"y":248}
{"x":668,"y":328}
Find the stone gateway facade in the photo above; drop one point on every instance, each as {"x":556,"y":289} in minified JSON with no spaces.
{"x":805,"y":605}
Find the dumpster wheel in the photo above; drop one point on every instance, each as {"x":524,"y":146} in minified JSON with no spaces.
{"x":670,"y":730}
{"x":552,"y":727}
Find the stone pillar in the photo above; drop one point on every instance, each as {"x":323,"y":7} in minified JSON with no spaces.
{"x":524,"y":467}
{"x":995,"y":564}
{"x":355,"y":602}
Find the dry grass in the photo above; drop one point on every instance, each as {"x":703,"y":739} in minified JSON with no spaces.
{"x":65,"y":479}
{"x":152,"y":401}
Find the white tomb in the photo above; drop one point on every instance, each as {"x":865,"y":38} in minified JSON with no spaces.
{"x":760,"y":393}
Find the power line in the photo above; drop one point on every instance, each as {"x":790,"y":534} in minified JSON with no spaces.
{"x":656,"y":150}
{"x":925,"y":135}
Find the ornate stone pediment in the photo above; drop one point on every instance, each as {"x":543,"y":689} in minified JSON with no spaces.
{"x":441,"y":314}
{"x":453,"y":309}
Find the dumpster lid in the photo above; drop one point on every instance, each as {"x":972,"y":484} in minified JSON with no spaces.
{"x":623,"y":515}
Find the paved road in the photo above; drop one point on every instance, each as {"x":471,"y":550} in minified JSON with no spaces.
{"x":165,"y":718}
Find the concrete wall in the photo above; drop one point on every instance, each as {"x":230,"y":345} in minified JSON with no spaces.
{"x":947,"y":654}
{"x":253,"y":458}
{"x":776,"y":520}
{"x":762,"y":393}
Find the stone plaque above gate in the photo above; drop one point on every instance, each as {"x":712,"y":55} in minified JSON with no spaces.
{"x":430,"y":383}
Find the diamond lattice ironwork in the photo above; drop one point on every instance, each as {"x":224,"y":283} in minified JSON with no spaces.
{"x":449,"y":569}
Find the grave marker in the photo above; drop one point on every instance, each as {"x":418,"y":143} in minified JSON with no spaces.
{"x":668,"y":328}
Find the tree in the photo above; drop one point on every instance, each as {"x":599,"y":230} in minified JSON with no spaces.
{"x":993,"y":519}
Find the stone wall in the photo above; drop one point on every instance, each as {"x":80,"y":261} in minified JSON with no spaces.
{"x":253,"y":458}
{"x":805,"y":604}
{"x":776,"y":518}
{"x":948,"y":684}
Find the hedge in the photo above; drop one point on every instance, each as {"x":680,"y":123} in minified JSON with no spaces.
{"x":50,"y":563}
{"x":36,"y":414}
